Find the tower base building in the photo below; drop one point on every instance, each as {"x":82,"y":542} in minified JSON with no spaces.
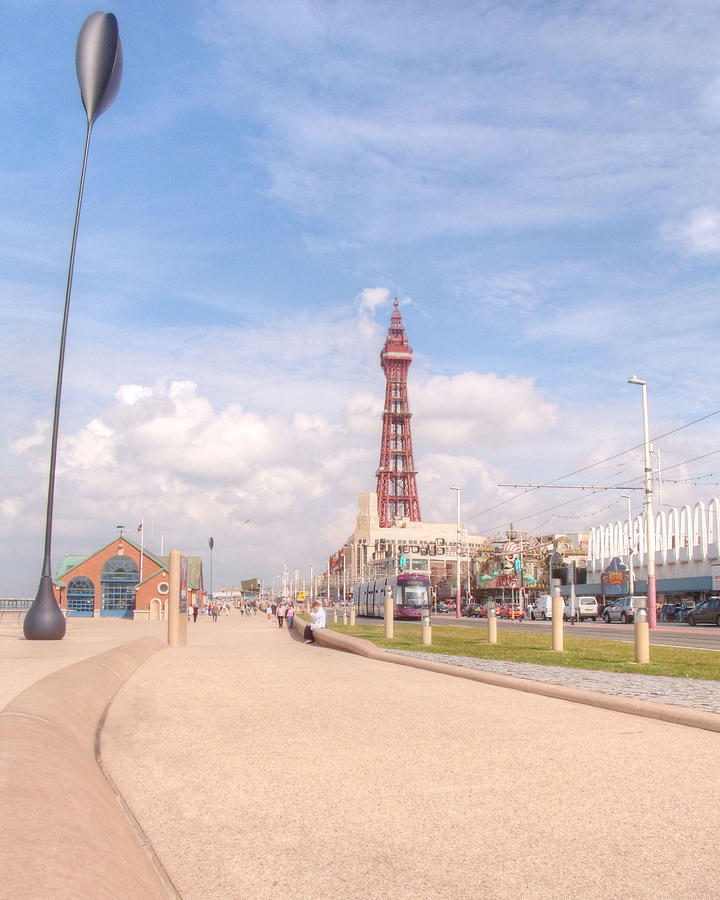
{"x":426,"y":546}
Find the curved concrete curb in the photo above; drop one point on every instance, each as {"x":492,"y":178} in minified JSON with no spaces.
{"x":65,"y":833}
{"x":678,"y":715}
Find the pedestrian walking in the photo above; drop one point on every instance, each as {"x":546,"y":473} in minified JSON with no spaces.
{"x":290,"y":614}
{"x":195,"y":613}
{"x":215,"y":611}
{"x":269,"y":612}
{"x":280,"y":613}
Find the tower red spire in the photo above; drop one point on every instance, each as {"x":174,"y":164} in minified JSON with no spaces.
{"x":396,"y":485}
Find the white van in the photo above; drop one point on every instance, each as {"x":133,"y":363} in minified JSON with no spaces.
{"x":585,"y":608}
{"x":542,"y":608}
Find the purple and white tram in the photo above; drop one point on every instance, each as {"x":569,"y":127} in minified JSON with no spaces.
{"x":411,"y":596}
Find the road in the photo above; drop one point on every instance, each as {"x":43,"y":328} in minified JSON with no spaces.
{"x":701,"y":637}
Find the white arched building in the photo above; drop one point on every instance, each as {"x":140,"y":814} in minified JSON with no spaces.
{"x":687,"y":546}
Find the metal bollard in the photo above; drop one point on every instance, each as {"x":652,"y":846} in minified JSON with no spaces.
{"x":389,"y":612}
{"x":642,"y":632}
{"x":352,"y":615}
{"x":492,"y":623}
{"x":335,"y":613}
{"x":426,"y":630}
{"x":557,"y":617}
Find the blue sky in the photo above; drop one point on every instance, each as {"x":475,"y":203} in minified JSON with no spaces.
{"x":537,"y":181}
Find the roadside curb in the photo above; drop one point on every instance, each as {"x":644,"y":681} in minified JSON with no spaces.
{"x":65,"y":832}
{"x":677,"y":715}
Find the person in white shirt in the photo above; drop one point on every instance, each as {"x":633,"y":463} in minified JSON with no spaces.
{"x":317,"y":621}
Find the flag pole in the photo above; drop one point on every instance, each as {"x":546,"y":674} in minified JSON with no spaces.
{"x":142,"y":547}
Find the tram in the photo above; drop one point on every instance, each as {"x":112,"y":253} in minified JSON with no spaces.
{"x":410,"y":590}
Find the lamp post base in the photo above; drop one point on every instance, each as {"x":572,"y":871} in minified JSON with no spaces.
{"x":44,"y":621}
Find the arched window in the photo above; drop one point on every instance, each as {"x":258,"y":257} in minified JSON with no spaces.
{"x":80,"y":596}
{"x":118,"y":580}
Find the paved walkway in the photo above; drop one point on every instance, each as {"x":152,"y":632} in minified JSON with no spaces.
{"x":687,"y":692}
{"x":22,"y":662}
{"x":263,"y":767}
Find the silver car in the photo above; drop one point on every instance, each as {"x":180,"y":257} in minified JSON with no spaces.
{"x":622,"y":610}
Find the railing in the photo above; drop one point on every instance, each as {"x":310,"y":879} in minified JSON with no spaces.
{"x":15,"y":603}
{"x":13,"y":609}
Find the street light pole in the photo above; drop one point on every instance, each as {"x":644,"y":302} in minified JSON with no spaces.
{"x":397,"y":554}
{"x":551,"y":556}
{"x":631,"y":574}
{"x":457,"y":556}
{"x":344,"y":580}
{"x":649,"y":516}
{"x":211,"y":544}
{"x":98,"y":62}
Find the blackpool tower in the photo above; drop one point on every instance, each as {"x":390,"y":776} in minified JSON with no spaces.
{"x":396,"y":486}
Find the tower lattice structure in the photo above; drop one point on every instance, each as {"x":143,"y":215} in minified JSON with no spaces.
{"x":396,"y":485}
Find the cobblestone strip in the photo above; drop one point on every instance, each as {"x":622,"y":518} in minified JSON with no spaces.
{"x":687,"y":692}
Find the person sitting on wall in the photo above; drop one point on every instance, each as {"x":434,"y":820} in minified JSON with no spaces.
{"x":317,"y":621}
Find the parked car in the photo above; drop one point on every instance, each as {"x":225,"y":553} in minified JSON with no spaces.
{"x":622,"y":610}
{"x":474,"y":610}
{"x":585,"y":608}
{"x":442,"y":607}
{"x":705,"y":613}
{"x":542,"y":608}
{"x":513,"y":611}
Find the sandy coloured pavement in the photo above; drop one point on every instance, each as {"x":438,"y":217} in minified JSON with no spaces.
{"x":260,"y":767}
{"x":22,"y":662}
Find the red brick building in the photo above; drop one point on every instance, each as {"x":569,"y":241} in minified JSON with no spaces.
{"x":121,"y":580}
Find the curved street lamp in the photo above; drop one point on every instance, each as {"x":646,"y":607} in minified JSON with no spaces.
{"x":98,"y":61}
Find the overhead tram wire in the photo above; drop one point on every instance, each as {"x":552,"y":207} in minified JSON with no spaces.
{"x":622,"y":486}
{"x":636,"y":447}
{"x":541,"y":512}
{"x":600,"y":463}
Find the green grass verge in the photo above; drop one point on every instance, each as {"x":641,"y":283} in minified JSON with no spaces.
{"x":534,"y":647}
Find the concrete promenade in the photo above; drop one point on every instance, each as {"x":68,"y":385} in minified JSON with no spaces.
{"x":22,"y":662}
{"x":262,"y":767}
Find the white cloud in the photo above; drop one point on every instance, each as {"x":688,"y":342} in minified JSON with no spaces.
{"x":699,"y":233}
{"x":38,"y":437}
{"x":164,"y":452}
{"x":370,"y":299}
{"x":506,"y":290}
{"x":11,"y":507}
{"x":363,"y":411}
{"x":131,"y":393}
{"x":91,"y":449}
{"x":478,"y":411}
